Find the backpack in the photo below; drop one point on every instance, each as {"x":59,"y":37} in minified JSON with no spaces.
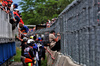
{"x":46,"y":39}
{"x":30,"y":56}
{"x":29,"y":52}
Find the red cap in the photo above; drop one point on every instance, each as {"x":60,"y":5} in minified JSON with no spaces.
{"x":10,"y":1}
{"x":4,"y":3}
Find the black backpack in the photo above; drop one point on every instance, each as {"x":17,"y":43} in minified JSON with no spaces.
{"x":29,"y":53}
{"x":46,"y":39}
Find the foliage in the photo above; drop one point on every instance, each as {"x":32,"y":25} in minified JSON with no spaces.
{"x":44,"y":62}
{"x":39,"y":11}
{"x":18,"y":55}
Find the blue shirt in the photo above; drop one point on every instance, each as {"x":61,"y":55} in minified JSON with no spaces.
{"x":35,"y":46}
{"x":25,"y":28}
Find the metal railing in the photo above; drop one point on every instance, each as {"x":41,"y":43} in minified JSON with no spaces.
{"x":79,"y":27}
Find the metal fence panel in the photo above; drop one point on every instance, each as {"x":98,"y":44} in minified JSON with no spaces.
{"x":80,"y":31}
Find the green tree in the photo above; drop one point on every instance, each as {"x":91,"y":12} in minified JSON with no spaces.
{"x":39,"y":11}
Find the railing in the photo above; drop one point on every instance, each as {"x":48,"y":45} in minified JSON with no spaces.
{"x":79,"y":27}
{"x":6,"y":33}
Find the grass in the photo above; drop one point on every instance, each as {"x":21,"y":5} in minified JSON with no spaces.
{"x":18,"y":55}
{"x":44,"y":62}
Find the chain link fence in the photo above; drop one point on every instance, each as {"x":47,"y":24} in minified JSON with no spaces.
{"x":79,"y":26}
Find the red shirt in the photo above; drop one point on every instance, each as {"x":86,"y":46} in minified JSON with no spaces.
{"x":4,"y":3}
{"x":21,"y":21}
{"x":16,"y":14}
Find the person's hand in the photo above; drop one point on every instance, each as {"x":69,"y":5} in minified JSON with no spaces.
{"x":58,"y":34}
{"x":18,"y":28}
{"x":44,"y":47}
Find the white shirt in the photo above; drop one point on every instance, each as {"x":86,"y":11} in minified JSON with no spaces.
{"x":11,"y":8}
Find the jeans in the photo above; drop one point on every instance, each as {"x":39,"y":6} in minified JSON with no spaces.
{"x":12,"y":15}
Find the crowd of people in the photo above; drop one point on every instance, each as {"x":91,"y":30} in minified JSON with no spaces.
{"x":49,"y":23}
{"x":34,"y":46}
{"x":12,"y":10}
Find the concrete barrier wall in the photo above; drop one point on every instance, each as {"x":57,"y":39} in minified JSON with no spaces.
{"x":60,"y":59}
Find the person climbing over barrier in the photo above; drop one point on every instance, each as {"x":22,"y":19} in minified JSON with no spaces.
{"x":29,"y":57}
{"x":23,"y":44}
{"x":23,"y":28}
{"x":13,"y":6}
{"x":53,"y":41}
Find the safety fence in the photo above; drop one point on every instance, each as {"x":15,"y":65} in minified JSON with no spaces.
{"x":7,"y":40}
{"x":79,"y":27}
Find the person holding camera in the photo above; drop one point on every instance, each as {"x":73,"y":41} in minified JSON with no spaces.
{"x":54,"y":45}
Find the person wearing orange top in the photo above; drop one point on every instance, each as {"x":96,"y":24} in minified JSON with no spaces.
{"x":1,"y":1}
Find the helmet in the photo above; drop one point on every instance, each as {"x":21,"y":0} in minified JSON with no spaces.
{"x":25,"y":39}
{"x":16,"y":5}
{"x":31,"y":37}
{"x":31,"y":42}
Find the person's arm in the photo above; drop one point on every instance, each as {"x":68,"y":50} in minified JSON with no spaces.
{"x":20,"y":39}
{"x":26,"y":29}
{"x":56,"y":39}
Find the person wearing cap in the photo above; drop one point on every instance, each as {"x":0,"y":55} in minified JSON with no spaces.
{"x":12,"y":9}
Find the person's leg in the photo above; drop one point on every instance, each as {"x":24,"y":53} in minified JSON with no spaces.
{"x":12,"y":15}
{"x":23,"y":59}
{"x":36,"y":63}
{"x":43,"y":54}
{"x":39,"y":62}
{"x":54,"y":48}
{"x":58,"y":46}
